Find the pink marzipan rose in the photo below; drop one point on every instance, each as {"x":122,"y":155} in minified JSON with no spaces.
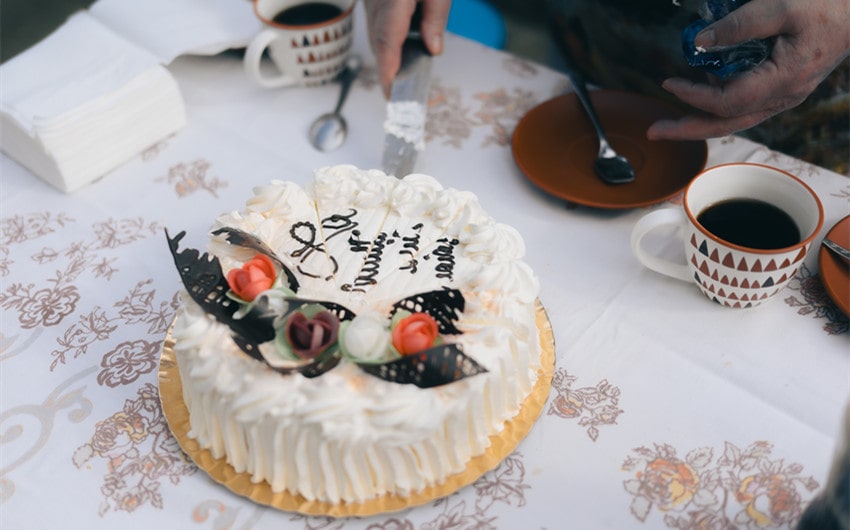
{"x":253,"y":278}
{"x":415,"y":333}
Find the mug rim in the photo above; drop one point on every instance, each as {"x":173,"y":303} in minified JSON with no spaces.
{"x":345,"y":13}
{"x":801,"y":244}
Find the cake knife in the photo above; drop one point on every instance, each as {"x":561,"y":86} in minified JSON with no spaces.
{"x":404,"y":126}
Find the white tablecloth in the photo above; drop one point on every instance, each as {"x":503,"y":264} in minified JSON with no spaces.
{"x":665,"y":408}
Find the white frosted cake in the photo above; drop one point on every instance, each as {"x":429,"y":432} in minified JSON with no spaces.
{"x":338,"y":403}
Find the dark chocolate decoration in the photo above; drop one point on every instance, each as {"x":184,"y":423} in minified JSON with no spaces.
{"x":203,"y":278}
{"x":234,"y":236}
{"x":313,"y":368}
{"x":340,"y":311}
{"x":435,"y":366}
{"x":444,"y":305}
{"x":322,"y":365}
{"x":206,"y":284}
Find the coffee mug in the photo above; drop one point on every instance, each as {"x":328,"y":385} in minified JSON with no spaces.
{"x":746,"y":229}
{"x":308,"y":41}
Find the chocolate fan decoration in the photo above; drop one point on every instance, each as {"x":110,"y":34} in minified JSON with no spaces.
{"x":204,"y":280}
{"x":429,"y":368}
{"x":310,"y":369}
{"x":234,"y":236}
{"x":340,"y":311}
{"x":444,"y":306}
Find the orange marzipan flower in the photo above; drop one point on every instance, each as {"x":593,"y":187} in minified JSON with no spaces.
{"x":255,"y":276}
{"x":415,"y":333}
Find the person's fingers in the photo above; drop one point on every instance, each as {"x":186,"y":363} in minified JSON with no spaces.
{"x":435,"y":15}
{"x":388,"y":22}
{"x":758,"y":19}
{"x":700,"y":127}
{"x":763,"y":90}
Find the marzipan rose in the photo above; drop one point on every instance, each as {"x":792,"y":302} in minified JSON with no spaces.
{"x":366,"y":337}
{"x":255,"y":276}
{"x":310,"y":337}
{"x":415,"y":333}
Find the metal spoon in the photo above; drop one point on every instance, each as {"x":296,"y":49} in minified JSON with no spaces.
{"x":838,"y":249}
{"x":329,"y":130}
{"x":610,"y":166}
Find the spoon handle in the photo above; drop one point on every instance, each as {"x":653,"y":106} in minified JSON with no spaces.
{"x":579,"y":84}
{"x":838,"y":249}
{"x":346,"y":79}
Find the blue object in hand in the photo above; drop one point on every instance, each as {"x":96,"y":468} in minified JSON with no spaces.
{"x":724,"y":62}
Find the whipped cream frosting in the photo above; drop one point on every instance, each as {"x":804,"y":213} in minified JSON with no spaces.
{"x":365,"y":240}
{"x":406,"y":120}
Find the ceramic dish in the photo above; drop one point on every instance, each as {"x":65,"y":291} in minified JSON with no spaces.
{"x":555,"y":145}
{"x":834,"y":271}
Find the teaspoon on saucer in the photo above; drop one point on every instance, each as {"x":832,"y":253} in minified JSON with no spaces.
{"x":838,"y":249}
{"x":609,"y":166}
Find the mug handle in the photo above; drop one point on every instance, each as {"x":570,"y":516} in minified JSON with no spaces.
{"x":648,"y":223}
{"x":253,"y":56}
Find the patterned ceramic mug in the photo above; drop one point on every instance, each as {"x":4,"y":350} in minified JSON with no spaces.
{"x":308,"y":41}
{"x":746,"y":229}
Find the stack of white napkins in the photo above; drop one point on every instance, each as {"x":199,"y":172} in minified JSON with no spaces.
{"x":94,"y":94}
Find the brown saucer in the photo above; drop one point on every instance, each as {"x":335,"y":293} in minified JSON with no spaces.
{"x":555,"y":145}
{"x":834,"y":271}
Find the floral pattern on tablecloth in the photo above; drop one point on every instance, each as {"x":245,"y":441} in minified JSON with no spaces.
{"x":192,"y":177}
{"x":78,"y":259}
{"x":739,"y":488}
{"x":499,"y":110}
{"x":814,"y":302}
{"x":592,"y":405}
{"x":132,"y":359}
{"x":139,"y":453}
{"x":69,"y":260}
{"x":64,"y":258}
{"x":448,"y":119}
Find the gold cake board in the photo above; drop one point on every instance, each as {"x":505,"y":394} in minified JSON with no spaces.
{"x":501,"y":444}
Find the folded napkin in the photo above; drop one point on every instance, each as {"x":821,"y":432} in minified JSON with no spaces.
{"x":94,"y":92}
{"x":170,"y":28}
{"x":84,"y":100}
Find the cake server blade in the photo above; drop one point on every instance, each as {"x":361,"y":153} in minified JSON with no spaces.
{"x":404,"y":126}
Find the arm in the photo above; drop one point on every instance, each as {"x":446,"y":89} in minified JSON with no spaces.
{"x":811,"y":38}
{"x":388,"y":22}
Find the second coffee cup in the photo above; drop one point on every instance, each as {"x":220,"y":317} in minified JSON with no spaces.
{"x":746,"y":229}
{"x":308,"y":41}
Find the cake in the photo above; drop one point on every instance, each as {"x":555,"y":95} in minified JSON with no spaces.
{"x":363,"y":336}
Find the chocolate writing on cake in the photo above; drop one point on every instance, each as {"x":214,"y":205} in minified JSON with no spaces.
{"x":372,"y":263}
{"x":305,"y":233}
{"x":410,"y":248}
{"x":444,"y":253}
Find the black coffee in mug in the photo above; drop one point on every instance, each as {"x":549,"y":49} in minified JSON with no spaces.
{"x":307,"y":14}
{"x":750,"y":223}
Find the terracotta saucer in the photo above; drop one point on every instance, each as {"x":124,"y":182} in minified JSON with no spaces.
{"x":554,"y":145}
{"x":834,"y":271}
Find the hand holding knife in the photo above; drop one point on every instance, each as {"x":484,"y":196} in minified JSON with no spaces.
{"x":404,"y":126}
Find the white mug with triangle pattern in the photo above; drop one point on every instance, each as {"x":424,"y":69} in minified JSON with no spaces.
{"x":728,"y":273}
{"x":305,"y":51}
